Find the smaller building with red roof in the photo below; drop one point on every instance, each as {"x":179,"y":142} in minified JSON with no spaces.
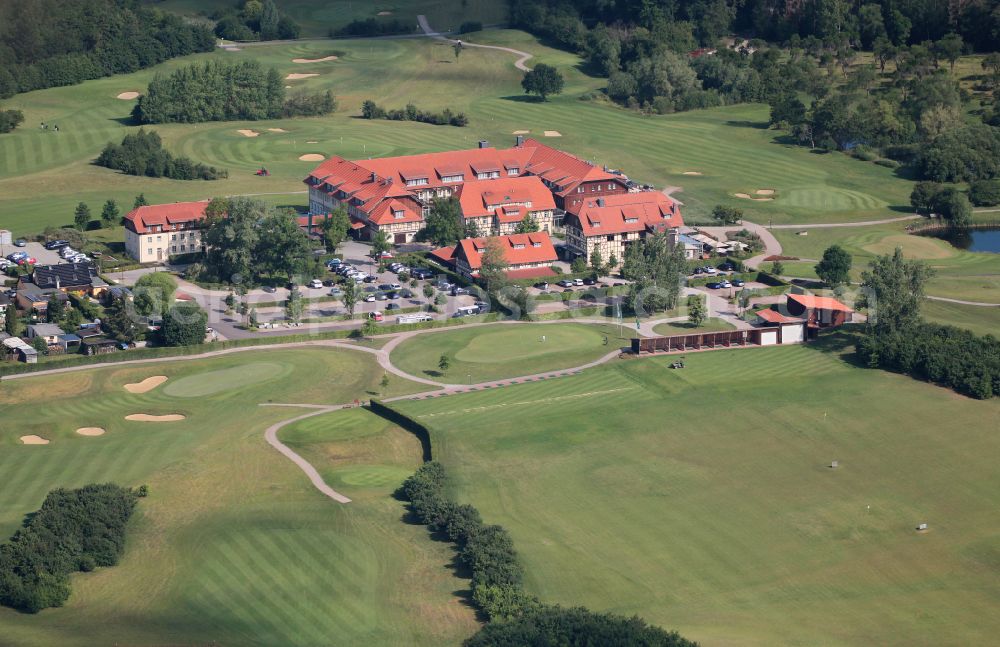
{"x":819,"y":311}
{"x":154,"y":233}
{"x":527,"y":255}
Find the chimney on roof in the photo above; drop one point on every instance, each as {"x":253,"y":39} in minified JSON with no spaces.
{"x":600,"y":202}
{"x":483,"y":143}
{"x":519,"y":141}
{"x":374,"y":177}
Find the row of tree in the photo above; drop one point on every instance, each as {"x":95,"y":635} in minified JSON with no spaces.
{"x":947,"y":202}
{"x":517,"y":618}
{"x":74,"y":530}
{"x":219,"y":91}
{"x":897,"y":339}
{"x":655,"y":269}
{"x":46,"y":43}
{"x":255,"y":20}
{"x":142,"y":153}
{"x":371,"y":110}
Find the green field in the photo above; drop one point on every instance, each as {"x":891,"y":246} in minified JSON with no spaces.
{"x":233,"y":546}
{"x":483,"y":353}
{"x":730,"y":146}
{"x":702,"y":499}
{"x":979,"y":319}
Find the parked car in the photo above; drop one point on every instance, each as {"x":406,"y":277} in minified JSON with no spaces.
{"x":395,"y":286}
{"x":442,"y":285}
{"x":56,"y":244}
{"x":392,"y":295}
{"x":336,"y":292}
{"x":334,"y":262}
{"x":565,"y":283}
{"x":738,"y":283}
{"x":20,"y":242}
{"x":27,"y":260}
{"x":421,"y":273}
{"x":392,"y":306}
{"x":369,"y":298}
{"x":384,"y":286}
{"x":4,"y":264}
{"x":698,"y":270}
{"x":329,"y":283}
{"x":713,"y":286}
{"x":577,"y":281}
{"x":270,"y":289}
{"x":406,"y":293}
{"x":376,"y":315}
{"x":727,"y":267}
{"x":542,"y":285}
{"x":291,"y":285}
{"x":457,"y":291}
{"x":381,"y":296}
{"x":725,"y":284}
{"x":315,"y":283}
{"x":16,"y":256}
{"x":589,"y":281}
{"x":371,"y":278}
{"x":371,"y":288}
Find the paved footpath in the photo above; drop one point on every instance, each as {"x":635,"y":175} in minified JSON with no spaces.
{"x":519,"y":63}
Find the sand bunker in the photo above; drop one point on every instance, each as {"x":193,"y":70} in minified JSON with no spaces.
{"x":747,"y":196}
{"x":90,"y":431}
{"x":34,"y":440}
{"x":384,"y":13}
{"x":764,"y":192}
{"x":248,"y":133}
{"x":276,"y":130}
{"x":520,"y":132}
{"x":148,"y":384}
{"x":691,"y":173}
{"x":314,"y":60}
{"x":128,"y":96}
{"x":311,"y":157}
{"x":312,"y":142}
{"x":553,"y":133}
{"x":145,"y":417}
{"x":296,"y":77}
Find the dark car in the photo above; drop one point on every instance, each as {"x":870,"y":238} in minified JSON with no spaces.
{"x":371,"y":278}
{"x":457,"y":291}
{"x":698,"y":270}
{"x":713,"y":286}
{"x":384,"y":286}
{"x":392,"y":294}
{"x":56,"y":244}
{"x":20,"y":242}
{"x":406,"y":293}
{"x":381,"y":296}
{"x":727,"y":267}
{"x":589,"y":281}
{"x":291,"y":285}
{"x":737,"y":283}
{"x":270,"y":289}
{"x":421,"y":273}
{"x":392,"y":306}
{"x":542,"y":286}
{"x":329,"y":283}
{"x":371,"y":288}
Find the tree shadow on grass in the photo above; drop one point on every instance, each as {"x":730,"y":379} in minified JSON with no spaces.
{"x":433,"y":373}
{"x":840,"y":342}
{"x":744,"y":123}
{"x":523,"y":98}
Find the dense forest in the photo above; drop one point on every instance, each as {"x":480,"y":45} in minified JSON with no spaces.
{"x":254,"y":20}
{"x":46,"y":43}
{"x":900,"y":105}
{"x":218,"y":91}
{"x":75,"y":530}
{"x":142,"y":153}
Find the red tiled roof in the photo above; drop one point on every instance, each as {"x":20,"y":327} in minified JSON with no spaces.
{"x":164,"y":215}
{"x":518,"y":249}
{"x":819,"y":303}
{"x":773,"y":316}
{"x":531,"y":273}
{"x":444,"y":254}
{"x":625,"y":212}
{"x":565,"y":170}
{"x":477,"y":198}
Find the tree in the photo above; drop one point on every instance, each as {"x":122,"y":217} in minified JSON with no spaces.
{"x":369,"y":328}
{"x":727,"y":215}
{"x":954,"y":207}
{"x":184,"y":325}
{"x":444,"y":363}
{"x":380,"y":244}
{"x":140,"y":201}
{"x":335,"y":228}
{"x":528,"y":225}
{"x":153,"y":293}
{"x":384,"y":383}
{"x":697,"y":312}
{"x":350,"y":296}
{"x":493,"y":267}
{"x":428,"y":290}
{"x":81,"y":217}
{"x":445,"y":224}
{"x":283,"y":249}
{"x":39,"y":344}
{"x":56,"y":309}
{"x":294,"y":306}
{"x":991,"y":63}
{"x":543,"y":81}
{"x":231,"y":235}
{"x":612,"y":261}
{"x":252,"y":319}
{"x":72,"y":320}
{"x":596,"y":260}
{"x":835,"y":267}
{"x":985,"y":193}
{"x":230,"y":302}
{"x":923,"y":196}
{"x":895,"y":290}
{"x":118,"y":323}
{"x":579,"y":265}
{"x":777,"y":268}
{"x":110,"y":214}
{"x":950,"y":49}
{"x":12,"y":321}
{"x":269,"y":18}
{"x":787,"y":111}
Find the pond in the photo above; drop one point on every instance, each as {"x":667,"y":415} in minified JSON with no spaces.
{"x":973,"y":240}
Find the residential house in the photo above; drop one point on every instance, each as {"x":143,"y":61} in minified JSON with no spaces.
{"x":31,"y":297}
{"x":527,"y":255}
{"x":16,"y":347}
{"x":47,"y":331}
{"x":394,"y":194}
{"x":611,"y":223}
{"x":67,"y":277}
{"x":154,"y":233}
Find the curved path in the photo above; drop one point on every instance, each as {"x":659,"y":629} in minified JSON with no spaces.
{"x":271,"y":435}
{"x":964,"y":303}
{"x":519,"y":63}
{"x":863,"y":223}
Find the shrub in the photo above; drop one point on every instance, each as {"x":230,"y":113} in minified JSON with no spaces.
{"x":985,"y":193}
{"x":371,"y":110}
{"x":887,"y":163}
{"x":142,"y":154}
{"x":864,"y":154}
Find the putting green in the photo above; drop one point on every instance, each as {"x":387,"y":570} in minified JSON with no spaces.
{"x":372,"y":475}
{"x":921,"y":247}
{"x":212,"y":382}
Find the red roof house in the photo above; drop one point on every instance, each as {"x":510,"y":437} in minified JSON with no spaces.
{"x":526,"y":254}
{"x":819,"y":311}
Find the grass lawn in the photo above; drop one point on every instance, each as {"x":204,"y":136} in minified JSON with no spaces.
{"x":731,"y":146}
{"x":233,"y":546}
{"x":969,"y":276}
{"x":701,"y":499}
{"x":711,"y":324}
{"x":482,"y":353}
{"x":980,"y":320}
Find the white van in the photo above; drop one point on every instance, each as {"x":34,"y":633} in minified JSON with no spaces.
{"x":414,"y":318}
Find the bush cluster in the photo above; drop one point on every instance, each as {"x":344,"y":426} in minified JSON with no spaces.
{"x":371,"y":110}
{"x":75,"y":530}
{"x":142,"y":153}
{"x":946,"y":355}
{"x":47,"y":43}
{"x":10,"y":119}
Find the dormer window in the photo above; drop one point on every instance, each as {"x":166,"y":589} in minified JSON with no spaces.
{"x":518,"y":245}
{"x":631,"y":220}
{"x":536,"y":244}
{"x":398,"y":214}
{"x":513,"y":171}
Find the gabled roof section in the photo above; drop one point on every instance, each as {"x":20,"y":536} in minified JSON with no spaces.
{"x":627,"y":212}
{"x":483,"y":197}
{"x":819,"y":303}
{"x":518,"y":249}
{"x":562,"y":168}
{"x":164,"y":215}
